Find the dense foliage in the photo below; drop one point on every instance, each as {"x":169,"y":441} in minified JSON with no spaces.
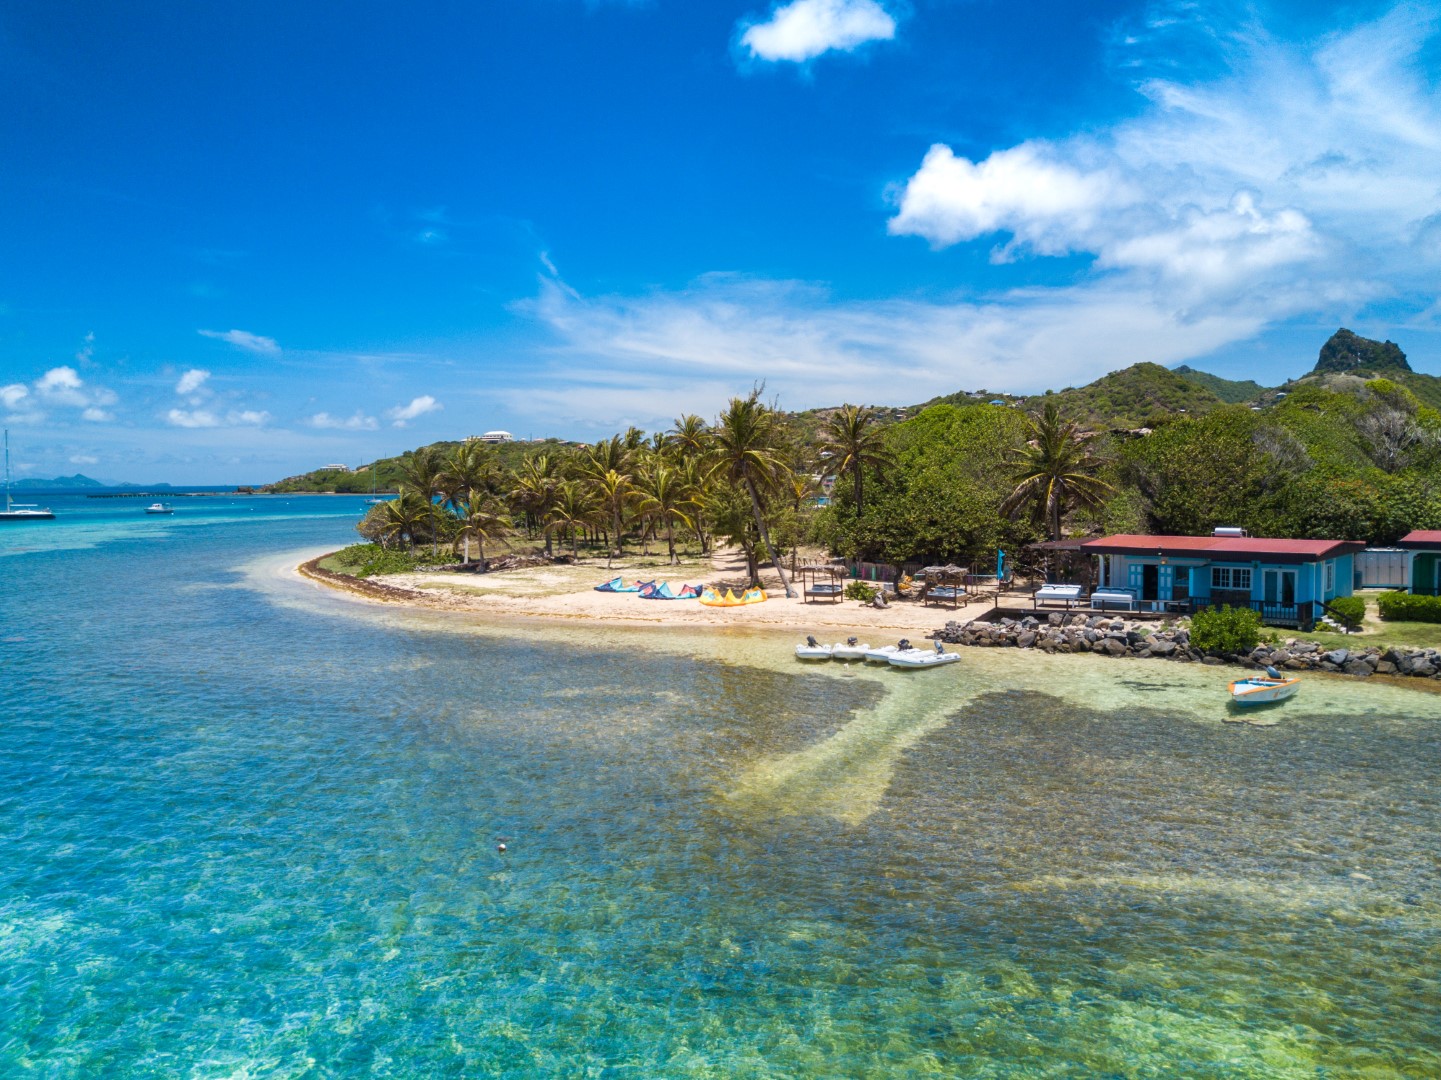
{"x":1349,"y":609}
{"x":1403,"y":607}
{"x":1342,"y":455}
{"x":1226,"y":630}
{"x":1231,"y":391}
{"x":366,"y":560}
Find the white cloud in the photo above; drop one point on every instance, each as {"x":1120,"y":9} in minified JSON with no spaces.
{"x":86,"y":350}
{"x":804,"y":29}
{"x":1046,"y":203}
{"x":401,"y":415}
{"x":63,"y":387}
{"x":192,"y":418}
{"x":247,"y":418}
{"x":96,"y":415}
{"x":244,"y":339}
{"x":1301,"y":168}
{"x":84,"y":459}
{"x":12,"y":395}
{"x":357,"y":422}
{"x":204,"y":418}
{"x":699,"y":346}
{"x":191,"y":381}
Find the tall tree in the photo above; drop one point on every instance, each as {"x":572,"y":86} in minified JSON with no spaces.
{"x":573,"y":508}
{"x":664,"y":496}
{"x":855,"y":442}
{"x":690,"y":438}
{"x":423,"y":471}
{"x":482,"y":520}
{"x":750,"y":448}
{"x":1054,"y":472}
{"x":615,"y":492}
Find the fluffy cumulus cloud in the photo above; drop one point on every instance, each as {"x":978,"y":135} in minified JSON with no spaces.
{"x":402,"y":415}
{"x":191,"y":382}
{"x":63,"y":388}
{"x":244,"y":339}
{"x":13,"y":395}
{"x":358,"y":421}
{"x":1027,"y":191}
{"x":804,"y":29}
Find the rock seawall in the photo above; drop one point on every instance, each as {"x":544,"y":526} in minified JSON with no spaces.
{"x":1059,"y":633}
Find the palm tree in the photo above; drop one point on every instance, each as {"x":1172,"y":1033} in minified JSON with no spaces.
{"x":1054,"y":471}
{"x":422,"y":471}
{"x":401,"y":517}
{"x":534,"y":491}
{"x":663,"y":494}
{"x":690,"y":438}
{"x":481,"y":520}
{"x":748,"y":444}
{"x":855,"y":443}
{"x":615,"y":493}
{"x":612,"y":455}
{"x":469,"y":471}
{"x":573,"y":508}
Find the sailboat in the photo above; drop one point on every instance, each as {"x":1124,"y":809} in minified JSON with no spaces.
{"x":15,"y":511}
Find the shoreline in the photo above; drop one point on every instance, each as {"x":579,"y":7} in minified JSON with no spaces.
{"x":506,"y":601}
{"x":543,"y":594}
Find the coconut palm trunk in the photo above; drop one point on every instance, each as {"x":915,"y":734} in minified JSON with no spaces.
{"x":766,"y":536}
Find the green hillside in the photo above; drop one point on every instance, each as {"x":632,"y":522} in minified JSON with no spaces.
{"x":1140,"y":395}
{"x":1228,"y":390}
{"x":383,"y":475}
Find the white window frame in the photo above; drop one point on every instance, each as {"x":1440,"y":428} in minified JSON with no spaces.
{"x":1330,"y":576}
{"x":1231,"y":578}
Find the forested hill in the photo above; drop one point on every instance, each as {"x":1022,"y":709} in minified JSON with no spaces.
{"x":1137,"y":396}
{"x":384,"y":474}
{"x":1228,"y":390}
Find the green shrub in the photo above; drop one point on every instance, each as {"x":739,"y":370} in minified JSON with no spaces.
{"x":1226,"y":630}
{"x":366,"y":560}
{"x":1403,"y":607}
{"x":1350,"y":609}
{"x":859,"y":590}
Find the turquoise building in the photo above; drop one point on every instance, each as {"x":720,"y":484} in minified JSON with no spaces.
{"x":1287,"y":581}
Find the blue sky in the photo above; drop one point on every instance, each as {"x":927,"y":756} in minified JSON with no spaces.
{"x":238,"y":242}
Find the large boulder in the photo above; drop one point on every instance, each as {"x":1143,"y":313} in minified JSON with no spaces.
{"x":1162,"y":648}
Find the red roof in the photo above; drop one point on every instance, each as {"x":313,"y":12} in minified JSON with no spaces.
{"x":1426,"y":539}
{"x":1239,"y":548}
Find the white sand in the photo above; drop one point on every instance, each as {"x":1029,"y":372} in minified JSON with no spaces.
{"x":567,"y":592}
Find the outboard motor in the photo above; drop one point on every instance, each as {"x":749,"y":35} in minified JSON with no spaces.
{"x":1272,"y":672}
{"x":940,"y":646}
{"x":812,"y":642}
{"x":852,"y":641}
{"x":903,"y":644}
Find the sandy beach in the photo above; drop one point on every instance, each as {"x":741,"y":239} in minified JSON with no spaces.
{"x":561,"y":592}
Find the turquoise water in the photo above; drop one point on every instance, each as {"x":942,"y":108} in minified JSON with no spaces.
{"x":250,"y":830}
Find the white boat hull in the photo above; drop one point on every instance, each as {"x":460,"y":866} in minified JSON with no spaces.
{"x":849,"y":652}
{"x":881,"y":655}
{"x":923,"y":658}
{"x":1263,"y":691}
{"x":813,"y":652}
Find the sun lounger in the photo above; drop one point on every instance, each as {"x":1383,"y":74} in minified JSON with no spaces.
{"x":1113,"y":597}
{"x":1069,"y":595}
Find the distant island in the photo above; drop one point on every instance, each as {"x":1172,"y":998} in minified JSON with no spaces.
{"x":78,"y":482}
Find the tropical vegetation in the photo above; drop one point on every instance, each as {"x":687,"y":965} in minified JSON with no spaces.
{"x":1353,"y":454}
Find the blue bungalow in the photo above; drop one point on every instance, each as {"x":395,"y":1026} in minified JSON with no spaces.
{"x":1287,"y":581}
